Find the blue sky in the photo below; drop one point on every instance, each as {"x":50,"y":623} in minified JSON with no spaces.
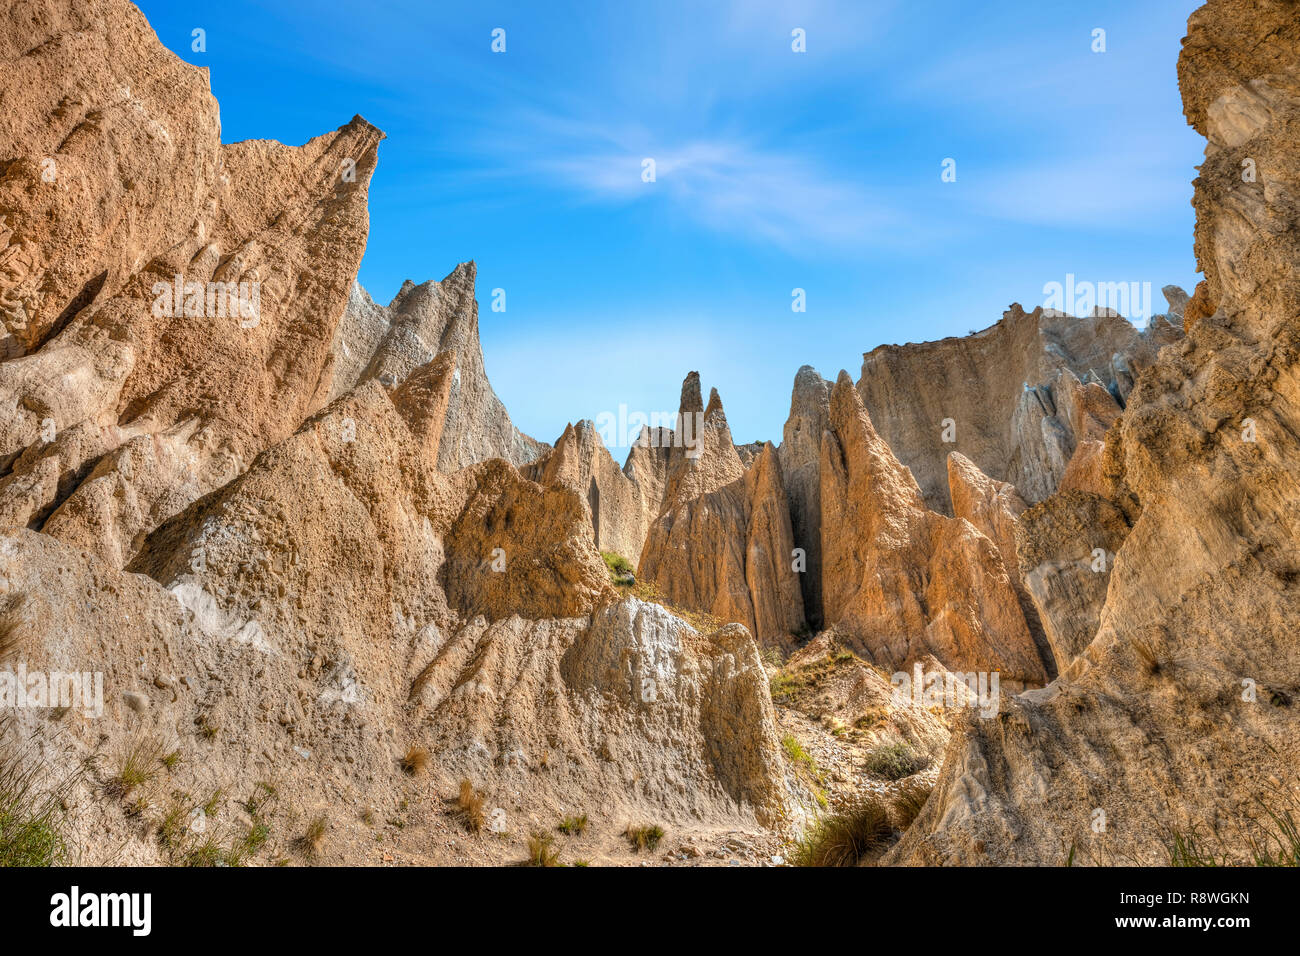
{"x":775,"y":170}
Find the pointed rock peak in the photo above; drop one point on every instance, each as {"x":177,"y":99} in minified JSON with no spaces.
{"x":422,"y":401}
{"x":844,"y":396}
{"x":714,"y":412}
{"x":691,"y":400}
{"x":968,"y":483}
{"x":809,"y":386}
{"x":359,"y":122}
{"x":465,"y":272}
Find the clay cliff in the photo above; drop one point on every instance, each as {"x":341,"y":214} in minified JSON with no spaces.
{"x":1003,"y":397}
{"x":286,"y":525}
{"x":387,"y":342}
{"x":323,"y":576}
{"x":1175,"y":722}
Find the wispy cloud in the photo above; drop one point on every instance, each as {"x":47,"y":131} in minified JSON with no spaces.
{"x":731,"y":186}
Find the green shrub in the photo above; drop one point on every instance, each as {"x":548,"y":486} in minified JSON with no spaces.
{"x":846,"y":838}
{"x":895,"y":761}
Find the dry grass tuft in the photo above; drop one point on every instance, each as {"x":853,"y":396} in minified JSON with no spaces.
{"x":313,"y":839}
{"x":909,"y":802}
{"x":137,"y":765}
{"x":470,"y":804}
{"x":644,"y":838}
{"x":415,"y":761}
{"x":573,"y":825}
{"x":846,"y":838}
{"x":542,"y":851}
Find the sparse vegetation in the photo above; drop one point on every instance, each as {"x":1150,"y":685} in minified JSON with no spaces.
{"x":31,"y":820}
{"x":263,"y":796}
{"x":701,"y":621}
{"x":415,"y":760}
{"x":137,"y":765}
{"x":542,"y":851}
{"x":170,"y":760}
{"x":470,"y":805}
{"x":895,"y":761}
{"x":313,"y":838}
{"x":787,"y":683}
{"x":846,"y":838}
{"x":620,"y":568}
{"x":206,"y":729}
{"x":805,"y":767}
{"x":644,"y":837}
{"x":909,"y":802}
{"x":573,"y":825}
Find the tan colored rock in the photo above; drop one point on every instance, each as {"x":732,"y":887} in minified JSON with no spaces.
{"x":995,"y":394}
{"x":387,"y":342}
{"x":110,"y":146}
{"x":1174,"y":720}
{"x":994,"y":508}
{"x":519,"y":548}
{"x":146,"y":399}
{"x":800,"y":455}
{"x":615,"y":503}
{"x":722,"y":543}
{"x":900,"y":581}
{"x":1067,"y":546}
{"x":422,"y":400}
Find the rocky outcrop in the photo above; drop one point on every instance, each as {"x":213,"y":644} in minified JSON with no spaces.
{"x":172,"y":298}
{"x":994,"y":396}
{"x":1067,"y":546}
{"x":387,"y":342}
{"x":800,"y":454}
{"x":994,"y":508}
{"x":900,"y":581}
{"x":1176,"y":720}
{"x":722,"y":542}
{"x":252,"y":534}
{"x":618,"y":508}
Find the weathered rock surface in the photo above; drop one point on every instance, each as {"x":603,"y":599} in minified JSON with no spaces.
{"x":800,"y":455}
{"x":994,"y":396}
{"x":387,"y":342}
{"x":619,"y":512}
{"x":1177,"y":720}
{"x":722,"y":541}
{"x":994,"y":508}
{"x":138,"y":391}
{"x":900,"y":581}
{"x":252,"y":534}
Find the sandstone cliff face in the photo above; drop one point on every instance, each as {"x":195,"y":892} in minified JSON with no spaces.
{"x":136,"y":392}
{"x":722,"y":541}
{"x":616,"y":504}
{"x":800,"y":455}
{"x":386,"y":343}
{"x":900,"y":581}
{"x":994,"y":508}
{"x":251,"y":531}
{"x":1176,"y":718}
{"x":993,"y":396}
